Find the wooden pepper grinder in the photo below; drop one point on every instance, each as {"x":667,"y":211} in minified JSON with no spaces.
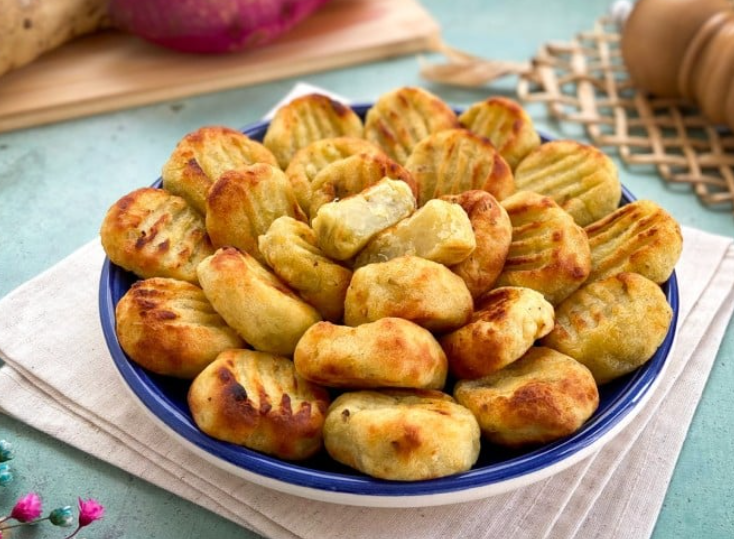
{"x":684,"y":48}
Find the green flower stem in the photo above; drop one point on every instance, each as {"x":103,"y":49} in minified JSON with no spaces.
{"x":73,"y":533}
{"x":19,"y":524}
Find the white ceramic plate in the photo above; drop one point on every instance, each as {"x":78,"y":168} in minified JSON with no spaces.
{"x":497,"y":471}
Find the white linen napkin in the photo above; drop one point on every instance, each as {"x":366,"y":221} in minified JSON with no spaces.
{"x":62,"y":381}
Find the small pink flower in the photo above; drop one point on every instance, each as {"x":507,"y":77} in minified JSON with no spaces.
{"x":89,"y":511}
{"x":27,"y":508}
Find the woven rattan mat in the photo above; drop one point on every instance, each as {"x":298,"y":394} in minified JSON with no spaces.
{"x":585,"y":81}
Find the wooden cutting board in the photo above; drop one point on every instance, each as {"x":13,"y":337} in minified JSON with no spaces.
{"x":111,"y":70}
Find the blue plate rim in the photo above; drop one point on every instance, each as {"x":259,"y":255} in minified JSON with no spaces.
{"x":535,"y":462}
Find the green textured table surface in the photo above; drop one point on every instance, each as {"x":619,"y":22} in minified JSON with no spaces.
{"x":57,"y":181}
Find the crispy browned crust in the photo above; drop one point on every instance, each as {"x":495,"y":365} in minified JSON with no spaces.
{"x":504,"y":326}
{"x":205,"y":154}
{"x":581,"y":179}
{"x":257,"y":400}
{"x":640,"y":237}
{"x":505,"y":123}
{"x":410,"y":287}
{"x":254,"y":302}
{"x":549,"y":251}
{"x":613,"y":326}
{"x":155,"y":234}
{"x":539,"y":398}
{"x":243,"y":203}
{"x":493,"y":234}
{"x":403,"y":117}
{"x":305,"y":120}
{"x":390,"y":352}
{"x":404,"y":435}
{"x":456,"y":160}
{"x":170,"y":328}
{"x":291,"y":249}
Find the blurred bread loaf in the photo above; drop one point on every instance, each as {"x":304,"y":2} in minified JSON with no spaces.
{"x":31,"y":29}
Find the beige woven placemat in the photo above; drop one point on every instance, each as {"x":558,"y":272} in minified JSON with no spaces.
{"x":585,"y":81}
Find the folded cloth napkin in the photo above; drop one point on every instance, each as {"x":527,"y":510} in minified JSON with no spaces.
{"x":62,"y":381}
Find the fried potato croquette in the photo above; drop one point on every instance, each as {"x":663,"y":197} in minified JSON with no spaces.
{"x":400,"y":119}
{"x":439,"y":231}
{"x":613,"y":326}
{"x":257,"y":400}
{"x":549,"y":251}
{"x":242,"y":204}
{"x":402,"y":435}
{"x":541,"y":397}
{"x":169,"y":327}
{"x":506,"y":323}
{"x":505,"y":123}
{"x":456,"y":160}
{"x":153,"y":233}
{"x":254,"y":302}
{"x":204,"y":155}
{"x":309,"y":161}
{"x":640,"y":237}
{"x":345,"y":226}
{"x":353,"y":175}
{"x":409,"y":287}
{"x":582,"y":179}
{"x":493,"y":234}
{"x":305,"y":120}
{"x":390,"y":352}
{"x":291,"y":250}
